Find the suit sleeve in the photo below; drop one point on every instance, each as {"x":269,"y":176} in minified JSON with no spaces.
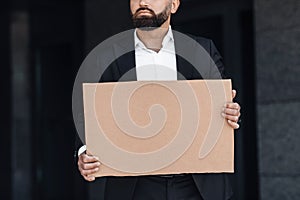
{"x":217,"y":68}
{"x":78,"y":144}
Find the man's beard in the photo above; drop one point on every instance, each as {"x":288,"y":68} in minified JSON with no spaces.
{"x":153,"y":22}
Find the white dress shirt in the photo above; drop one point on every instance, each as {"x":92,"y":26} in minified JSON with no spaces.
{"x":151,"y":65}
{"x":156,"y":66}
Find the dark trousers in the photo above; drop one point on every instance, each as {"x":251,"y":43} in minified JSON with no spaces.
{"x":176,"y":187}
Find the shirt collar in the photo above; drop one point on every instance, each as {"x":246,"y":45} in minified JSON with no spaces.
{"x":168,"y":37}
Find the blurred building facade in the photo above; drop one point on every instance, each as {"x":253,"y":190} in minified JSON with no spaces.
{"x":277,"y":39}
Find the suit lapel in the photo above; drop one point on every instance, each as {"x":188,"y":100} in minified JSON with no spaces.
{"x":185,"y":70}
{"x":125,"y":58}
{"x":125,"y":64}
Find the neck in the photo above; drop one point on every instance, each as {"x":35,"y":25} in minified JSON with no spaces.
{"x":153,"y":39}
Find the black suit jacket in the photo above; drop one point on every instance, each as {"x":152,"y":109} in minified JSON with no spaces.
{"x":190,"y":65}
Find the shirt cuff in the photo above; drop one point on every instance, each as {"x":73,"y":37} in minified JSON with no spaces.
{"x":81,"y":150}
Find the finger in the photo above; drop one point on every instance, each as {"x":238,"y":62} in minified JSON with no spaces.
{"x":90,"y":165}
{"x":89,"y":171}
{"x":231,"y":117}
{"x":229,"y":111}
{"x":89,"y":178}
{"x":234,"y":125}
{"x":88,"y":158}
{"x":233,"y":94}
{"x":233,"y":105}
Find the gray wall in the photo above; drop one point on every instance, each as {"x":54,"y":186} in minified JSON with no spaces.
{"x":278,"y":97}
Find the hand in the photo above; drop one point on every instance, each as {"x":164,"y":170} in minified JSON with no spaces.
{"x":88,"y":165}
{"x":232,"y":112}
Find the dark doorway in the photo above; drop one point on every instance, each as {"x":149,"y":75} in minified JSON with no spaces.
{"x":57,"y":31}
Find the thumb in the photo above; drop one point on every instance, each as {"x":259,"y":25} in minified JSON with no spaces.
{"x":233,"y":94}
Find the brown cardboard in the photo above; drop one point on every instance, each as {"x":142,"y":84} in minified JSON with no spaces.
{"x":159,"y":127}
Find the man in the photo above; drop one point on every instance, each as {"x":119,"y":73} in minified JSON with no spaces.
{"x":153,"y":40}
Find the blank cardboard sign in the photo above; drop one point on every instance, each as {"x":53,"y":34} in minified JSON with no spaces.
{"x":159,"y":127}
